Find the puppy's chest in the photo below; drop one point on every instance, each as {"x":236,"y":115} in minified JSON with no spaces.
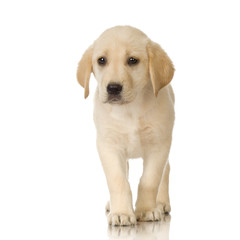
{"x":131,"y":138}
{"x":133,"y":144}
{"x":129,"y":134}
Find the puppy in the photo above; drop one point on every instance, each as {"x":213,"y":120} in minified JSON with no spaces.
{"x":134,"y":117}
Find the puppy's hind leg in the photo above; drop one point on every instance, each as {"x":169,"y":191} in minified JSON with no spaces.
{"x":107,"y":207}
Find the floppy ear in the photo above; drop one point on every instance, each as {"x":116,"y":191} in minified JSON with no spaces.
{"x":84,"y":70}
{"x":161,"y":69}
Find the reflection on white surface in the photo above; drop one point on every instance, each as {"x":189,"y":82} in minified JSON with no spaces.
{"x":142,"y":231}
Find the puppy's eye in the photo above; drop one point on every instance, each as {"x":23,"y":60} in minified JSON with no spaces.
{"x":102,"y":61}
{"x":132,"y":61}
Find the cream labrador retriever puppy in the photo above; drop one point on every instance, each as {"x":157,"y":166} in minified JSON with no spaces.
{"x":134,"y":117}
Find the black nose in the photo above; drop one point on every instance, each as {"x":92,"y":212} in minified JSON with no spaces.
{"x":114,"y":88}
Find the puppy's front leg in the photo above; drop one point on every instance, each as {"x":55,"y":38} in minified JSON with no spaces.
{"x":155,"y":159}
{"x":115,"y":168}
{"x":163,"y":202}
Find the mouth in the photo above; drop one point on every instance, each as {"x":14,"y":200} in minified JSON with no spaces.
{"x":115,"y":99}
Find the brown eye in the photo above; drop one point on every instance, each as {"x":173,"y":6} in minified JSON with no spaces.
{"x":102,"y":61}
{"x":132,"y":61}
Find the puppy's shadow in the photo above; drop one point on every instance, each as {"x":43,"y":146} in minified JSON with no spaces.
{"x":142,"y":231}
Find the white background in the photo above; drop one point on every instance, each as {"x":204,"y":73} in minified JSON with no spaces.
{"x":51,"y":182}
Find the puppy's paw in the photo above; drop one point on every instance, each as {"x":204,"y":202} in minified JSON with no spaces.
{"x":165,"y":208}
{"x":118,"y":219}
{"x":148,"y":216}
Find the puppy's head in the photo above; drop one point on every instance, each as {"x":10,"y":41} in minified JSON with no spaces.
{"x":123,"y":60}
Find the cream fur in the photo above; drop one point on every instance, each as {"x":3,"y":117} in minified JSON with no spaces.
{"x":140,"y":125}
